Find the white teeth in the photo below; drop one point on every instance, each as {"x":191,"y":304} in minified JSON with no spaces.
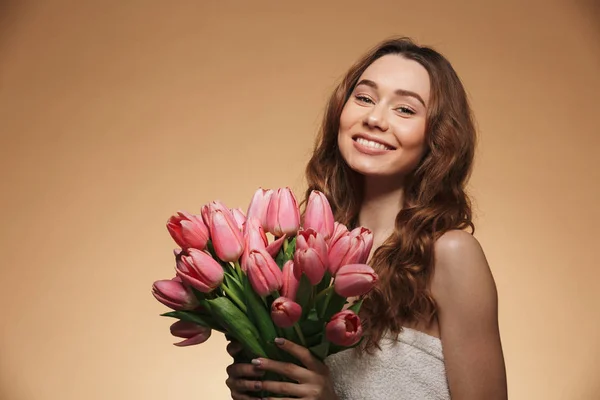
{"x":372,"y":144}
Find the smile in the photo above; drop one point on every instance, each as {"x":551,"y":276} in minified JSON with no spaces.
{"x":372,"y":144}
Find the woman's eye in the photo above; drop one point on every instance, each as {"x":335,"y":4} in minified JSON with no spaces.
{"x":363,"y":99}
{"x":405,"y":110}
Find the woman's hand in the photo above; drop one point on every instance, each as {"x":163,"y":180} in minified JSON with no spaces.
{"x":313,"y":382}
{"x":240,"y":376}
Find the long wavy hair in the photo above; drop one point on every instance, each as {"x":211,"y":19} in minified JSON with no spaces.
{"x":434,"y":200}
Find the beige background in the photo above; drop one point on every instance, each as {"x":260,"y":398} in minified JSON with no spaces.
{"x":114,"y":114}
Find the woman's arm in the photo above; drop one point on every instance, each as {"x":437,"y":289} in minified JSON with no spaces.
{"x":465,"y":293}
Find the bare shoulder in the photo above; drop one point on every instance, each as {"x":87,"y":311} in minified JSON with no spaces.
{"x":459,"y":258}
{"x":467,"y":312}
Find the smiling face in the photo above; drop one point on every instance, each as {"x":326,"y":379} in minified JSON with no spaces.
{"x":382,"y":125}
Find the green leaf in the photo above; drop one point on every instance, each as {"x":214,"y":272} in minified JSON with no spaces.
{"x":289,"y":254}
{"x":189,"y":316}
{"x":237,"y":324}
{"x":261,"y":317}
{"x":321,"y":350}
{"x":356,"y":306}
{"x":304,"y":293}
{"x":336,"y":303}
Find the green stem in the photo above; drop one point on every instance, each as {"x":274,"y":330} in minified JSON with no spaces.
{"x":238,"y":269}
{"x":234,"y":298}
{"x":299,"y":333}
{"x":324,"y":292}
{"x":285,"y":245}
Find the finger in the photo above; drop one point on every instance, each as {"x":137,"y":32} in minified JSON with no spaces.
{"x":285,"y":388}
{"x":243,"y":371}
{"x":233,"y":348}
{"x":292,"y":371}
{"x":301,"y":353}
{"x":241,"y":396}
{"x":243,"y":385}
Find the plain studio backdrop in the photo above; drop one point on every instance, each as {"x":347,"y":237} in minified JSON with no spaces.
{"x":116,"y":114}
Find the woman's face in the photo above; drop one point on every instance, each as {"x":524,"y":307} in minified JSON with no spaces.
{"x":382,"y":126}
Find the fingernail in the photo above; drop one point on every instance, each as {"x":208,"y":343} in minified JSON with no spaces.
{"x":257,"y":385}
{"x":255,"y":361}
{"x":279,"y":341}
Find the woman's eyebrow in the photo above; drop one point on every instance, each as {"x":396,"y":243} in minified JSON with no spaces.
{"x":399,"y":92}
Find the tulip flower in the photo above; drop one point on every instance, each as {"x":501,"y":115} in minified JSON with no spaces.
{"x":285,"y":312}
{"x":173,"y":294}
{"x":318,"y":215}
{"x":258,"y":206}
{"x":188,"y":230}
{"x":263,"y":272}
{"x":239,"y":217}
{"x":199,"y":270}
{"x":352,"y":248}
{"x":366,"y":236}
{"x":339,"y":231}
{"x":209,"y":208}
{"x":344,"y":329}
{"x":354,"y":280}
{"x":194,"y":334}
{"x":310,"y":257}
{"x":226,"y":236}
{"x":283,"y":215}
{"x":290,"y":282}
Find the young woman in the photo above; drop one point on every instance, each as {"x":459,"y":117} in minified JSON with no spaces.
{"x":394,"y":153}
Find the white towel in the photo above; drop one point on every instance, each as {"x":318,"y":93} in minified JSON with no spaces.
{"x":409,"y":368}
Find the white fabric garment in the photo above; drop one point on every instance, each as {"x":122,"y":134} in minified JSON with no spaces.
{"x":409,"y":368}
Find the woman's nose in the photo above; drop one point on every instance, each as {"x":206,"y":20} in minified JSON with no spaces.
{"x":376,"y":120}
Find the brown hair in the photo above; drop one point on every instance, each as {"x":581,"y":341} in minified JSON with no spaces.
{"x":434,"y":194}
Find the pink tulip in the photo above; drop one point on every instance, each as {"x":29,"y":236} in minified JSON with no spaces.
{"x":188,"y":230}
{"x":366,"y":236}
{"x":344,"y":329}
{"x":200,"y":270}
{"x":173,"y":294}
{"x":352,"y":248}
{"x":290,"y":282}
{"x":283,"y":215}
{"x":209,"y":208}
{"x":263,"y":272}
{"x":226,"y":237}
{"x":310,"y":257}
{"x":354,"y":280}
{"x":258,"y":206}
{"x":285,"y":312}
{"x":318,"y":215}
{"x":239,"y":217}
{"x":255,"y":239}
{"x":274,"y":247}
{"x":339,"y":231}
{"x":194,"y":334}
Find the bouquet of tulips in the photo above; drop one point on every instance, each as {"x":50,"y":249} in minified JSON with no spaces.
{"x":232,"y":279}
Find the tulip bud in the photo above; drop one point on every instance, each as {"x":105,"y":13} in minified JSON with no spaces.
{"x":310,"y":256}
{"x":344,"y":329}
{"x":366,"y":236}
{"x":290,"y":282}
{"x":318,"y":215}
{"x":339,"y":231}
{"x":226,"y":236}
{"x":283,"y":216}
{"x":239,"y":217}
{"x":209,"y":208}
{"x":188,"y":230}
{"x":285,"y":312}
{"x":258,"y":206}
{"x":254,"y":239}
{"x":194,"y":334}
{"x":352,"y":248}
{"x":263,"y":273}
{"x":354,"y":280}
{"x":173,"y":294}
{"x":200,"y":270}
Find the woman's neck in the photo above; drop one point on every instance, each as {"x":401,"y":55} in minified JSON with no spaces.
{"x":381,"y":203}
